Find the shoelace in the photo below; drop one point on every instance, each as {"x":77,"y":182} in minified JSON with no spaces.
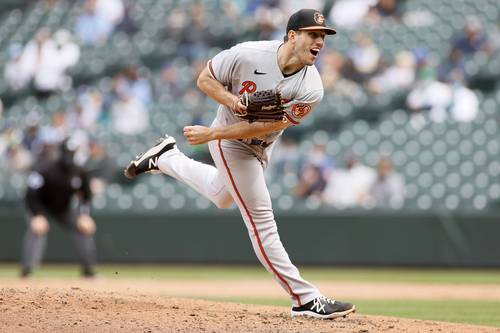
{"x":320,"y":302}
{"x":326,"y":299}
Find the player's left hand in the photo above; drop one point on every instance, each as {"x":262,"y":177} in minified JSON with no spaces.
{"x":86,"y":224}
{"x":197,"y":135}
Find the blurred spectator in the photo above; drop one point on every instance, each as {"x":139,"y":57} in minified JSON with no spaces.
{"x":52,"y":135}
{"x":312,"y":179}
{"x":330,"y":64}
{"x":465,"y":105}
{"x":135,"y":84}
{"x":31,"y":138}
{"x":333,"y":68}
{"x":10,"y":138}
{"x":423,"y":58}
{"x":40,"y":60}
{"x":91,"y":27}
{"x":233,"y":12}
{"x":18,"y":158}
{"x":177,"y":22}
{"x":128,"y":102}
{"x":80,"y":139}
{"x":68,"y":50}
{"x":473,"y":38}
{"x":418,"y":18}
{"x":86,"y":111}
{"x":384,"y":9}
{"x":130,"y":82}
{"x":286,"y":158}
{"x":110,"y":10}
{"x":318,"y":157}
{"x":44,"y":60}
{"x":349,"y":187}
{"x":269,"y":17}
{"x":311,"y":182}
{"x":100,"y":167}
{"x":399,"y":76}
{"x":193,"y":102}
{"x":18,"y":71}
{"x":388,"y":190}
{"x":128,"y":114}
{"x":48,"y":74}
{"x":127,"y":24}
{"x":350,"y":13}
{"x":57,"y":130}
{"x":13,"y":155}
{"x":430,"y":95}
{"x":364,"y":57}
{"x":193,"y":41}
{"x":289,"y":7}
{"x":169,"y":82}
{"x":452,"y":66}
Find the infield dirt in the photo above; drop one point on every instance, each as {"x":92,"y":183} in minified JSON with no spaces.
{"x":108,"y":305}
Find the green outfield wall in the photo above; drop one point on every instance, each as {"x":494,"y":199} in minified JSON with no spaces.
{"x":322,"y":237}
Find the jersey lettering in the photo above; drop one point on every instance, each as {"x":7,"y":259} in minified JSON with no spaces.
{"x":248,"y":86}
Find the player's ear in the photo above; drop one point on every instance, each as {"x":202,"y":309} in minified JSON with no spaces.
{"x":292,"y":36}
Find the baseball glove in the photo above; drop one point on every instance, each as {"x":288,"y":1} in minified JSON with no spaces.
{"x":263,"y":106}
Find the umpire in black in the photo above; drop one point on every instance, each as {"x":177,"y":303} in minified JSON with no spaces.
{"x":59,"y":190}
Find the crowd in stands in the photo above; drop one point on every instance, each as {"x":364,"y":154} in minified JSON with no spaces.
{"x":349,"y":184}
{"x":436,"y":89}
{"x":42,"y":62}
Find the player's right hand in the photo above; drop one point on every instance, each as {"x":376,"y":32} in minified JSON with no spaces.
{"x":238,"y":106}
{"x":39,"y":225}
{"x":197,"y":135}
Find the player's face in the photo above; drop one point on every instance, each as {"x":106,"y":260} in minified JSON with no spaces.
{"x":308,"y":44}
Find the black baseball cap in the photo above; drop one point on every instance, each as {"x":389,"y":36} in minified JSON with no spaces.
{"x":308,"y":19}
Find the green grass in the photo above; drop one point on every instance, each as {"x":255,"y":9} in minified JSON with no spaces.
{"x":204,"y":272}
{"x":457,"y":311}
{"x":467,"y":311}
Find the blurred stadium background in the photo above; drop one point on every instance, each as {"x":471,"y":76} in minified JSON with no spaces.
{"x":399,"y":165}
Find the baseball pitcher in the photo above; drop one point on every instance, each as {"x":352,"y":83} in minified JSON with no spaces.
{"x":263,"y":87}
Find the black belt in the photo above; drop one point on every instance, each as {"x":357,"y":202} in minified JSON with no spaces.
{"x":257,"y":142}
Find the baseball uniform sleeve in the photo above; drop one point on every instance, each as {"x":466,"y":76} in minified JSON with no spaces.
{"x":223,"y":65}
{"x":298,"y":108}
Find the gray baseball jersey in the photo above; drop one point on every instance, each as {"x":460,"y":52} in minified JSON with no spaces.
{"x":238,"y":174}
{"x":253,"y":66}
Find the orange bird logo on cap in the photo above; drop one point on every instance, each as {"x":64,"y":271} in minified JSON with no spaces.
{"x":319,"y":18}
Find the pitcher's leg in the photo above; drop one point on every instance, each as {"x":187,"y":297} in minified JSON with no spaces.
{"x":165,"y":157}
{"x":245,"y":180}
{"x":201,"y":177}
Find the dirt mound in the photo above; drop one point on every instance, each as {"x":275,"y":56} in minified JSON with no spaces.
{"x":265,"y":288}
{"x":76,"y":309}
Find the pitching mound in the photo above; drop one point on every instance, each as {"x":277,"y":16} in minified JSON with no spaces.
{"x":75,"y":309}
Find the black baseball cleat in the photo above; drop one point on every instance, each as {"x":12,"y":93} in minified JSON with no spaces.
{"x":148,"y":161}
{"x":324,"y":308}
